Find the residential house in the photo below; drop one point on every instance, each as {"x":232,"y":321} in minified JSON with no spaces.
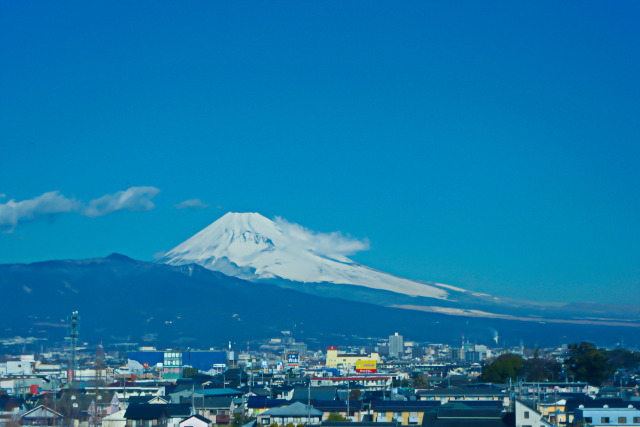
{"x":41,"y":416}
{"x":447,"y":416}
{"x":195,"y":421}
{"x":402,"y":412}
{"x":217,"y":409}
{"x":116,"y":419}
{"x":446,"y":395}
{"x":528,"y":416}
{"x":606,"y":416}
{"x":351,"y":410}
{"x":146,"y":415}
{"x":296,"y":413}
{"x":256,"y":405}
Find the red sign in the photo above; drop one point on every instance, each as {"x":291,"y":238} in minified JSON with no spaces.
{"x":145,"y":365}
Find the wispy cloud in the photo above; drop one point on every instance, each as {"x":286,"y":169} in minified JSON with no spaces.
{"x":191,"y":204}
{"x":46,"y":205}
{"x":332,"y":245}
{"x":133,"y":199}
{"x":52,"y":203}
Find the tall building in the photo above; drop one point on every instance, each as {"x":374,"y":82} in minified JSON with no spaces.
{"x":396,"y":345}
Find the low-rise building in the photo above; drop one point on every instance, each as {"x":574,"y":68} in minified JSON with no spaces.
{"x":296,"y":413}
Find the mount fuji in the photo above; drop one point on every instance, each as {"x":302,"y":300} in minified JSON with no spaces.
{"x":252,"y":247}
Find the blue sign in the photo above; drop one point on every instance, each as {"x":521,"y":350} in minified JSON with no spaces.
{"x":293,"y":358}
{"x":265,"y":364}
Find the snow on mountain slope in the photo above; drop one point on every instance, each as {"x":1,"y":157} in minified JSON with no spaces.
{"x":253,"y":247}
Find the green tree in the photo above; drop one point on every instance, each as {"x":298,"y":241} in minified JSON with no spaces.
{"x":239,"y":419}
{"x":189,"y":372}
{"x":501,"y":369}
{"x":336,"y":417}
{"x":420,"y":381}
{"x":588,"y":363}
{"x":401,"y":383}
{"x":623,"y":359}
{"x":536,"y":370}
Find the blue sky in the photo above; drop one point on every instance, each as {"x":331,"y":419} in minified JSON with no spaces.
{"x":489,"y":145}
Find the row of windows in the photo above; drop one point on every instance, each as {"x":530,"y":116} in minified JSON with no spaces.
{"x":607,"y":420}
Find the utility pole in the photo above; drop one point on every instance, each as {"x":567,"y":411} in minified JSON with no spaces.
{"x":193,"y":405}
{"x":73,"y":335}
{"x":348,"y":399}
{"x":309,"y":403}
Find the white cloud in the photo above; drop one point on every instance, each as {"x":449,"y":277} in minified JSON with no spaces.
{"x":193,"y":204}
{"x":333,"y":245}
{"x":46,"y":205}
{"x":132,"y":199}
{"x":53,"y":203}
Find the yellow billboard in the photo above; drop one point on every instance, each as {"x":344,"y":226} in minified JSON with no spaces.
{"x":366,"y":366}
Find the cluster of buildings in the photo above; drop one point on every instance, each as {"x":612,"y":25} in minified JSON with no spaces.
{"x":281,"y":383}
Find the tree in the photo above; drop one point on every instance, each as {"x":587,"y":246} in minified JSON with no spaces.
{"x":536,"y":370}
{"x":239,"y":419}
{"x":189,"y":372}
{"x":336,"y":417}
{"x":623,"y":359}
{"x":501,"y":369}
{"x":420,"y":381}
{"x":588,"y":363}
{"x":401,"y":383}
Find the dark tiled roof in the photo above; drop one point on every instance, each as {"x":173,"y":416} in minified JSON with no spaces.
{"x":335,"y":405}
{"x":412,"y":405}
{"x":296,"y":409}
{"x":470,"y":418}
{"x":461,"y":392}
{"x":356,"y":424}
{"x":145,"y":411}
{"x":140,"y":399}
{"x":321,"y":393}
{"x":264,"y":402}
{"x":178,"y":410}
{"x":468,"y":413}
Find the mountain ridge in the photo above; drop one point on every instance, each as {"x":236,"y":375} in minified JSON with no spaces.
{"x":254,"y":248}
{"x":160,"y":304}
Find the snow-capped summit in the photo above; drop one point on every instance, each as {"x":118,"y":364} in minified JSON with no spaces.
{"x":253,"y":247}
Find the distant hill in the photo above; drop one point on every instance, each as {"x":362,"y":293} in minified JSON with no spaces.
{"x":121,"y":299}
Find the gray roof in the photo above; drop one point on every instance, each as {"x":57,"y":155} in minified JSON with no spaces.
{"x":297,"y":409}
{"x":461,"y":392}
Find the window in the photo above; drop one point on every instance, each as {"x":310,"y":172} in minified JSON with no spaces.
{"x":636,"y":420}
{"x":526,"y":414}
{"x":622,"y":420}
{"x":588,"y":420}
{"x":604,"y":420}
{"x":265,"y":421}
